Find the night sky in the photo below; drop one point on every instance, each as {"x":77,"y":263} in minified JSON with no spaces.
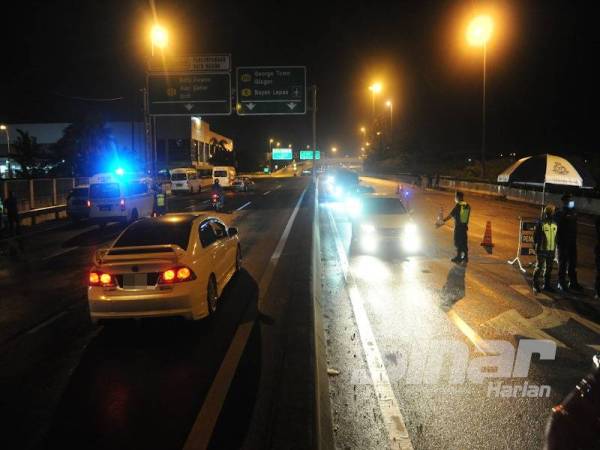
{"x":542,"y":70}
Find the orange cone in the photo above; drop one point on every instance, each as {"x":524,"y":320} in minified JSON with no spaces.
{"x":487,"y":236}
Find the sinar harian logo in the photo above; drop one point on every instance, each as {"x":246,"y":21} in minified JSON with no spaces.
{"x":559,"y":169}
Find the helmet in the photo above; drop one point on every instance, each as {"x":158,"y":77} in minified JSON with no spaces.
{"x":216,"y":181}
{"x":549,"y":210}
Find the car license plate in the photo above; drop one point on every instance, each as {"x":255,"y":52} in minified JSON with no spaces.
{"x":104,"y":207}
{"x":135,"y":281}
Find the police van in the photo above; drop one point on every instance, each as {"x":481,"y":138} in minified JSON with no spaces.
{"x":185,"y":179}
{"x":225,"y":174}
{"x":117,"y":197}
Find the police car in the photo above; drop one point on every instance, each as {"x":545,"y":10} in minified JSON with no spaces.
{"x":119,"y":197}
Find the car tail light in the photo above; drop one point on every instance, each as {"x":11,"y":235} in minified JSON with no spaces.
{"x":122,"y":204}
{"x":98,"y":278}
{"x":89,"y":204}
{"x":176,"y":275}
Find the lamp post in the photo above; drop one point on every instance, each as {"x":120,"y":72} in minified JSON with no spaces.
{"x":8,"y":166}
{"x":479,"y":32}
{"x":375,"y":89}
{"x":390,"y":105}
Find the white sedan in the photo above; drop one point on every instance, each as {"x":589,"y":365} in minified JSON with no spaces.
{"x":382,"y":222}
{"x":243,"y":184}
{"x":174,"y":265}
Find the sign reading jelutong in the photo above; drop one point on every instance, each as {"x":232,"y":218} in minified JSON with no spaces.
{"x":271,"y":90}
{"x":193,"y":63}
{"x":188,"y":93}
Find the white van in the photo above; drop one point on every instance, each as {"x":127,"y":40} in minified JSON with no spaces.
{"x":119,"y":198}
{"x":185,"y":180}
{"x":225,"y":175}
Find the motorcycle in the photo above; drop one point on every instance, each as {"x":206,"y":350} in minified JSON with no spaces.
{"x":216,"y":202}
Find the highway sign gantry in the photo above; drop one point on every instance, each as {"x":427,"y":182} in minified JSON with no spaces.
{"x":271,"y":90}
{"x":282,"y":154}
{"x":189,"y":94}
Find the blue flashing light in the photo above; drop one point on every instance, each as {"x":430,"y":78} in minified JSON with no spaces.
{"x":120,"y":171}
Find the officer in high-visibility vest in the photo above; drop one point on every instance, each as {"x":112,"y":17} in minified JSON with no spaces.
{"x":461,"y":214}
{"x":160,"y":201}
{"x":544,"y":240}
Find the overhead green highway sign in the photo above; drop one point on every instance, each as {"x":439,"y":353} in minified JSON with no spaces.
{"x":308,"y":154}
{"x":271,"y":90}
{"x":189,"y":94}
{"x":282,"y":154}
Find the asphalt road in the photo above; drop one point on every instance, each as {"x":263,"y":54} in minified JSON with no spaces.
{"x":393,"y":321}
{"x":154,"y":383}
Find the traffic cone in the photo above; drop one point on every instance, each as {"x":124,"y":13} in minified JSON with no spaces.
{"x":399,"y":189}
{"x":487,"y":236}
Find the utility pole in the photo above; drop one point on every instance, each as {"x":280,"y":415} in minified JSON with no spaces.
{"x":314,"y":132}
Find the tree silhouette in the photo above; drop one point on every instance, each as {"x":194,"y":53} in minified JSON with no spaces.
{"x":25,"y":151}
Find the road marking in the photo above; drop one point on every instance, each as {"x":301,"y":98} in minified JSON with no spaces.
{"x":202,"y":430}
{"x":59,"y":253}
{"x":46,"y":322}
{"x":195,"y":205}
{"x":266,"y":193}
{"x":470,"y":333}
{"x":243,"y":206}
{"x":388,"y":405}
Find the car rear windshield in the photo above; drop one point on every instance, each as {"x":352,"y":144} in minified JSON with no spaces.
{"x":178,"y":176}
{"x":79,"y":193}
{"x":105,"y":190}
{"x":220,"y":173}
{"x":384,"y":206}
{"x":156,"y":232}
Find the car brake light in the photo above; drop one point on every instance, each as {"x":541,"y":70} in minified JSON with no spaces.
{"x":122,"y":204}
{"x":101,"y":279}
{"x":176,"y":275}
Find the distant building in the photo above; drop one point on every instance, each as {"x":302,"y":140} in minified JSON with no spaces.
{"x":180,"y":141}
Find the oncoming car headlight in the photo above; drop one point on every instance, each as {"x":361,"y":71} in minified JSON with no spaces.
{"x":367,"y":228}
{"x":411,"y":241}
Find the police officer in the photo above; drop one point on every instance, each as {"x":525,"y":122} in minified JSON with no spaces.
{"x":544,"y":239}
{"x":161,"y":203}
{"x":566,"y":239}
{"x":461,"y":214}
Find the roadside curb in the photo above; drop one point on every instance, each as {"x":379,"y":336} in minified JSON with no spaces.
{"x":323,"y":421}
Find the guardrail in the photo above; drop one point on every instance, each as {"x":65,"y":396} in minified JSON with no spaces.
{"x":585,"y":205}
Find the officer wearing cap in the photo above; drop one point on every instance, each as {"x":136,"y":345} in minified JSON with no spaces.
{"x":461,"y":214}
{"x":544,"y":239}
{"x":566,"y":239}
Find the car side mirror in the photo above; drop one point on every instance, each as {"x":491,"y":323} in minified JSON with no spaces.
{"x":232,"y":231}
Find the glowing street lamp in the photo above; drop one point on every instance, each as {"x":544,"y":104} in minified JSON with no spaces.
{"x":479,"y":32}
{"x":333,"y":149}
{"x":375,"y":89}
{"x":159,"y":37}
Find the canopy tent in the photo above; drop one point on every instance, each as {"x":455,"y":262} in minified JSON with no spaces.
{"x":545,"y":169}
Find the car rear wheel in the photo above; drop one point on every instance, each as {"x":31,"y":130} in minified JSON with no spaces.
{"x":212,"y":295}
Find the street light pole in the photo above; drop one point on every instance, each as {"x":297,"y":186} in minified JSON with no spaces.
{"x":483,"y":112}
{"x":314,"y":132}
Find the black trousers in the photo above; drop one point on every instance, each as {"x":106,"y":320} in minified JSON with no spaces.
{"x":567,"y":263}
{"x":461,"y":241}
{"x":543,"y":267}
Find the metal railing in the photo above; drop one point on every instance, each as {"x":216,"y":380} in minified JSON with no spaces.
{"x":39,"y":196}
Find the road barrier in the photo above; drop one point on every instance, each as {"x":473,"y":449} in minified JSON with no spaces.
{"x":39,"y":199}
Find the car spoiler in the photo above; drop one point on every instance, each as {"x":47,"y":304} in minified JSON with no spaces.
{"x":139,"y":253}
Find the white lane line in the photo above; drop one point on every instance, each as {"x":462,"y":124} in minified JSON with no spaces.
{"x":46,"y":322}
{"x":202,"y":430}
{"x":243,"y":206}
{"x":59,"y":253}
{"x":267,"y":193}
{"x":388,"y":405}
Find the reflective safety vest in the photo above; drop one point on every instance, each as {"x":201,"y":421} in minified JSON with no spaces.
{"x":549,"y":229}
{"x":160,"y":199}
{"x":465,"y":212}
